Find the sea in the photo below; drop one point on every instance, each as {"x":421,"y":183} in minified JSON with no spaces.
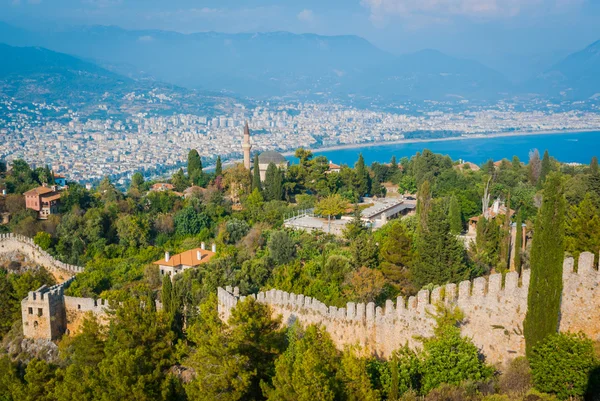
{"x":566,"y":147}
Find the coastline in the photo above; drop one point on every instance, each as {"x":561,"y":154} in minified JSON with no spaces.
{"x":232,"y":162}
{"x":454,"y":138}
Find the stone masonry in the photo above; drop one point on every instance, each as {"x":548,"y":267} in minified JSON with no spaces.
{"x":494,"y":310}
{"x":47,"y":313}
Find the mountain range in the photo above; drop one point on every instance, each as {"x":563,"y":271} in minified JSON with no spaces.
{"x":35,"y":74}
{"x":282,"y":64}
{"x":577,"y":76}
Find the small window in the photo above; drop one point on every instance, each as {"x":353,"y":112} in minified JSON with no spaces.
{"x":78,"y":307}
{"x":35,"y":324}
{"x":30,"y":310}
{"x":40,"y":311}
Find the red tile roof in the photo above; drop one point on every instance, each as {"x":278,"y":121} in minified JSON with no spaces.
{"x":187,"y":258}
{"x":38,"y":191}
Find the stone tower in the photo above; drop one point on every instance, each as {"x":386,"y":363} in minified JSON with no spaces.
{"x":43,"y":313}
{"x":246,"y":146}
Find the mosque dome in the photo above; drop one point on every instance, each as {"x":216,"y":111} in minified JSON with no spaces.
{"x":271,"y":157}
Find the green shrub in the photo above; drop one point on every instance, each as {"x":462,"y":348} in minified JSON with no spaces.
{"x":534,"y":395}
{"x":451,"y":358}
{"x":562,"y":363}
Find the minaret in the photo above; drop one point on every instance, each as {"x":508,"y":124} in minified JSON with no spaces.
{"x":246,"y":146}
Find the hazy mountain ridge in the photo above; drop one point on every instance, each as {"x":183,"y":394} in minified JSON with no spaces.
{"x":38,"y":74}
{"x":260,"y":64}
{"x":35,"y":74}
{"x":276,"y":64}
{"x":577,"y":76}
{"x":431,"y":74}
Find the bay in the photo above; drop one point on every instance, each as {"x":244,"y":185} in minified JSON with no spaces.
{"x":566,"y":147}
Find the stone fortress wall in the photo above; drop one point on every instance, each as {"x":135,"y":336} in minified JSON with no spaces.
{"x":48,"y":313}
{"x":494,"y":310}
{"x":25,"y":245}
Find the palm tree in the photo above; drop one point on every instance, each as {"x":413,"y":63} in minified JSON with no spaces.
{"x":332,"y":205}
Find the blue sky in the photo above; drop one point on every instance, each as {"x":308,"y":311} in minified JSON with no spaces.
{"x":493,"y":31}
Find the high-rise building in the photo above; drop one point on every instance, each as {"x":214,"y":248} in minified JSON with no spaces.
{"x":246,"y":146}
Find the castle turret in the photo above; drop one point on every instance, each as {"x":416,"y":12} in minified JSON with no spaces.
{"x":246,"y":146}
{"x":43,"y":313}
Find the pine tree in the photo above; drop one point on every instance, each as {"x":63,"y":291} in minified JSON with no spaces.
{"x":167,"y":294}
{"x":194,"y":165}
{"x":518,"y":241}
{"x":219,"y":167}
{"x":179,"y":181}
{"x":441,"y":256}
{"x":594,"y":178}
{"x":582,"y":227}
{"x":545,"y":169}
{"x":547,"y":254}
{"x":273,"y":183}
{"x":516,"y":164}
{"x":256,"y":184}
{"x":454,"y":216}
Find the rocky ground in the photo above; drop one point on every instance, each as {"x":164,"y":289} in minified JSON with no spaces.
{"x":23,"y":349}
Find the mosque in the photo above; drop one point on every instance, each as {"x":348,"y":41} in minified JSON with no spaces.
{"x":264,"y":158}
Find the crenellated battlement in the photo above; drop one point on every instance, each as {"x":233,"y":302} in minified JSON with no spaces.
{"x":494,"y":309}
{"x":14,"y":242}
{"x":47,"y":313}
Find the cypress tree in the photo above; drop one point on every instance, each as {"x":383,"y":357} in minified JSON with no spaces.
{"x":194,"y":165}
{"x":518,"y":241}
{"x":219,"y":167}
{"x":273,"y":183}
{"x":594,"y":166}
{"x":547,"y":254}
{"x":256,"y":184}
{"x":454,"y":216}
{"x":393,"y":165}
{"x":505,"y":238}
{"x":363,"y":179}
{"x":167,"y":294}
{"x":534,"y":166}
{"x":546,"y":168}
{"x":423,"y":205}
{"x":441,"y":256}
{"x":594,"y":178}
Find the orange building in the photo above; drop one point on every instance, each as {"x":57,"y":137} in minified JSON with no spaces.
{"x":172,"y":265}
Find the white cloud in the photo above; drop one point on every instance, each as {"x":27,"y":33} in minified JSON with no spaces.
{"x":145,"y":38}
{"x":306,"y":16}
{"x":383,"y":10}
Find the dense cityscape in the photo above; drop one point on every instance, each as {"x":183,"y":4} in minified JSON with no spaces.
{"x":88,"y":147}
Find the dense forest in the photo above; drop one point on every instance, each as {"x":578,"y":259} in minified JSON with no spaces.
{"x":185,"y":352}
